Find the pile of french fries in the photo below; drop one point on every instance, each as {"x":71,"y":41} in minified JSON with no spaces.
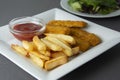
{"x":49,"y":52}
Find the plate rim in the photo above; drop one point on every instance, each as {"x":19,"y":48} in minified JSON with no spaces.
{"x":63,"y":5}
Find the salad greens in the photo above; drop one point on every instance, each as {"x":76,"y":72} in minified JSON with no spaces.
{"x":94,"y":6}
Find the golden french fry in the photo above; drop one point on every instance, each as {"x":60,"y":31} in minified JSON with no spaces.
{"x":37,"y":60}
{"x":46,"y":53}
{"x":57,"y":54}
{"x":66,"y":43}
{"x":40,"y":45}
{"x":51,"y":45}
{"x":66,"y":49}
{"x":39,"y":55}
{"x":55,"y":62}
{"x":63,"y":37}
{"x":27,"y":45}
{"x":68,"y":52}
{"x":20,"y":49}
{"x":75,"y":50}
{"x":34,"y":46}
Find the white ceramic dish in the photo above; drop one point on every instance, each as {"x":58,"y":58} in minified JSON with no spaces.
{"x":109,"y":39}
{"x":64,"y":5}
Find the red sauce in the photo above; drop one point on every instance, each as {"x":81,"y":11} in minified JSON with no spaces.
{"x":27,"y":27}
{"x":26,"y":31}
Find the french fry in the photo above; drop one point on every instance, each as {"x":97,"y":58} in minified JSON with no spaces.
{"x":34,"y":46}
{"x":68,"y":52}
{"x":55,"y":62}
{"x":40,"y":45}
{"x":51,"y":45}
{"x":57,"y":54}
{"x":20,"y":50}
{"x":46,"y":53}
{"x":66,"y":49}
{"x":27,"y":45}
{"x":39,"y":55}
{"x":55,"y":36}
{"x":63,"y":37}
{"x":75,"y":50}
{"x":37,"y":60}
{"x":65,"y":42}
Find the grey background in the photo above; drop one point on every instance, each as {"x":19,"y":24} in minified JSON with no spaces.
{"x":103,"y":67}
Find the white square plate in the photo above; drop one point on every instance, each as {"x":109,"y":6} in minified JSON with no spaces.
{"x":109,"y":39}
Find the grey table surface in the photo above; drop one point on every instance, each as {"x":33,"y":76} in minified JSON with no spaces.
{"x":103,"y":67}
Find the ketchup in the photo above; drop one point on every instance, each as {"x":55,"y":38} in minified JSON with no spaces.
{"x":27,"y":27}
{"x":26,"y":31}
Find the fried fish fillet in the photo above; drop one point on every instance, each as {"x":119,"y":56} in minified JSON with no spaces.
{"x":57,"y":29}
{"x":68,"y":23}
{"x":86,"y":36}
{"x":93,"y":39}
{"x":82,"y":44}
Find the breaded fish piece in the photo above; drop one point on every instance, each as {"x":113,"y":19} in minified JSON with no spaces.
{"x":86,"y":36}
{"x":83,"y":45}
{"x":78,"y":32}
{"x":68,"y":23}
{"x":93,"y":39}
{"x":57,"y":29}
